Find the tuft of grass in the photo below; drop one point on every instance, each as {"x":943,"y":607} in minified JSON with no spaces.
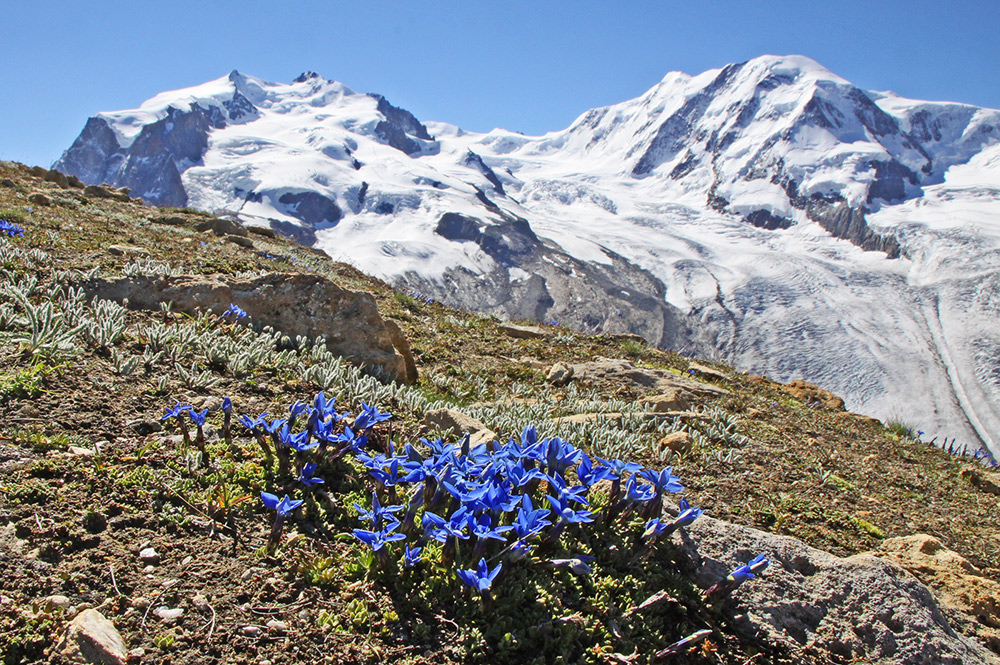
{"x":13,"y":216}
{"x":899,"y":428}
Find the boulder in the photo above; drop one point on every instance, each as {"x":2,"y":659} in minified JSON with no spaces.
{"x":559,"y":374}
{"x":96,"y":192}
{"x":459,"y":423}
{"x":676,"y":399}
{"x":294,"y":304}
{"x":91,"y":638}
{"x":958,"y":584}
{"x":811,"y":394}
{"x":220,"y":227}
{"x":265,"y":231}
{"x":242,"y":241}
{"x":56,"y":177}
{"x":522,"y":332}
{"x":706,"y":372}
{"x":855,"y":609}
{"x":39,"y":199}
{"x":679,"y":442}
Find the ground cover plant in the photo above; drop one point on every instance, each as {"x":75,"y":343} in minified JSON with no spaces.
{"x":92,"y":475}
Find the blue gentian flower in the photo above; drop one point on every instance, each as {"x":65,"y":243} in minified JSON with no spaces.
{"x":235,"y":311}
{"x":306,"y":476}
{"x":198,"y":417}
{"x":411,"y":557}
{"x":284,"y":506}
{"x":480,"y":579}
{"x":379,"y":539}
{"x":174,"y":412}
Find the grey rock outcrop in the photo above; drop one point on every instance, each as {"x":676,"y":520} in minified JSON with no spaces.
{"x":856,"y":609}
{"x":307,"y":305}
{"x":618,"y":371}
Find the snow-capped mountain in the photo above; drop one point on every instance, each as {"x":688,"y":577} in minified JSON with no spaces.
{"x":767,"y":213}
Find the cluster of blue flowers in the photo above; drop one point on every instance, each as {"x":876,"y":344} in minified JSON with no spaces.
{"x":488,"y":506}
{"x":422,"y":297}
{"x":505,"y":501}
{"x":10,"y":229}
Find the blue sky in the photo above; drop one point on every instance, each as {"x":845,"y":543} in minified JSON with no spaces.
{"x":525,"y":66}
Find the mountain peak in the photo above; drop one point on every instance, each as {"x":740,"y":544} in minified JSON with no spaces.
{"x":306,"y":76}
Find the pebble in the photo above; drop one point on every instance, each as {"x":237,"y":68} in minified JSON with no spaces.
{"x":200,"y":602}
{"x":186,"y":560}
{"x":140,"y":603}
{"x":167,"y":613}
{"x":149,"y":556}
{"x":149,"y":570}
{"x":250,"y":631}
{"x":276,"y":626}
{"x":136,"y":654}
{"x":62,"y":602}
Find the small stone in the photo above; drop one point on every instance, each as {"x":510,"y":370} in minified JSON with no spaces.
{"x":92,"y":638}
{"x":127,"y":250}
{"x":264,"y":662}
{"x":149,"y":570}
{"x":276,"y":626}
{"x":679,"y":442}
{"x":186,"y":560}
{"x":304,"y":615}
{"x":136,"y":654}
{"x":77,"y":451}
{"x":149,"y":556}
{"x":140,"y":603}
{"x":247,"y":574}
{"x":40,"y":199}
{"x":168,"y":613}
{"x":200,"y":602}
{"x":250,"y":631}
{"x":560,"y":374}
{"x":56,"y":601}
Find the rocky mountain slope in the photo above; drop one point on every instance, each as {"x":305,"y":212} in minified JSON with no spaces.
{"x":124,"y":540}
{"x":768,"y":213}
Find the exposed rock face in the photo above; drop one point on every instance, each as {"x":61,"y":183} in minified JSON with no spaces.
{"x":90,"y":638}
{"x":535,"y":279}
{"x":859,"y":608}
{"x":151,"y":166}
{"x":957,"y":583}
{"x":306,"y":305}
{"x":618,"y":371}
